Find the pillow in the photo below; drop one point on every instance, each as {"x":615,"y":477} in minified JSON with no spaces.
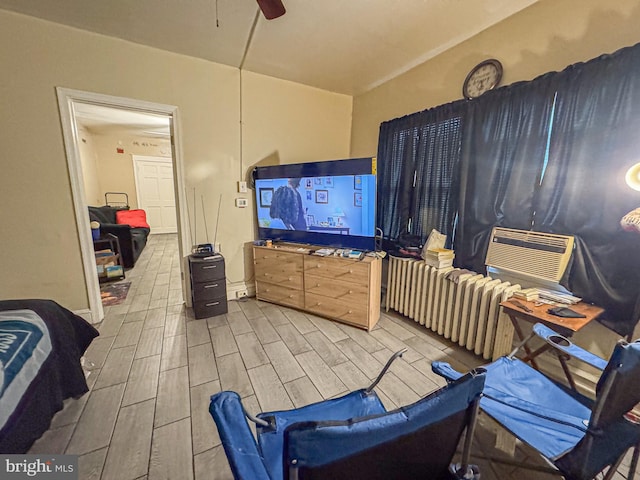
{"x":133,"y":218}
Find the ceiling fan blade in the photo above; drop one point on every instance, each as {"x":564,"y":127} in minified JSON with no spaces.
{"x":271,"y":8}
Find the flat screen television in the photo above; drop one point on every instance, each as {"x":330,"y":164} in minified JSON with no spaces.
{"x":331,"y":203}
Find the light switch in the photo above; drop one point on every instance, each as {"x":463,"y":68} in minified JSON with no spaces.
{"x":242,"y":187}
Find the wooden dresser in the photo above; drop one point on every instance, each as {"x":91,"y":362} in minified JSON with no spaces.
{"x":339,"y":288}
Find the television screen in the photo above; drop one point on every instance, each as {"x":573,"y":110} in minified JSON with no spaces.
{"x":328,"y":203}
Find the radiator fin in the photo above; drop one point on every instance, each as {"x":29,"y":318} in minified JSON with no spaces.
{"x":466,"y":312}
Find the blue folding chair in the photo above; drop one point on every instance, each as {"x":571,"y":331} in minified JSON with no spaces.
{"x":580,"y":437}
{"x":352,"y":437}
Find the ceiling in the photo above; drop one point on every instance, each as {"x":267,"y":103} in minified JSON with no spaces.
{"x":101,"y":119}
{"x":344,"y":46}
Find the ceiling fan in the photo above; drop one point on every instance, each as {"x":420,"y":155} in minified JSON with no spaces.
{"x":271,"y":8}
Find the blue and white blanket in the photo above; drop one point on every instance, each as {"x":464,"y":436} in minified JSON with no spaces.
{"x":24,"y":346}
{"x":41,"y":344}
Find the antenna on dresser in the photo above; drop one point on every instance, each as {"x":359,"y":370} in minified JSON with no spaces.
{"x":190,"y":222}
{"x":215,"y":234}
{"x":195,"y":220}
{"x":204,"y":217}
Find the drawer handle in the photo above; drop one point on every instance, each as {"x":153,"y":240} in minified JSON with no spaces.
{"x":317,"y":304}
{"x":213,"y":304}
{"x":209,"y":266}
{"x":211,"y":286}
{"x":290,"y":296}
{"x":317,"y":284}
{"x":349,"y":312}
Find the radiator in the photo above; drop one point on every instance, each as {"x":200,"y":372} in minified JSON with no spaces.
{"x":466,"y":312}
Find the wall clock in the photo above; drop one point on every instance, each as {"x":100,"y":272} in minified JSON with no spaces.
{"x":482,"y":78}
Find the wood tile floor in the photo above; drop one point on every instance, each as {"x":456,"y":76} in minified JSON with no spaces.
{"x":154,"y":367}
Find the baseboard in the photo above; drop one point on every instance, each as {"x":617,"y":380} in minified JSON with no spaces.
{"x":86,"y":314}
{"x":238,"y":290}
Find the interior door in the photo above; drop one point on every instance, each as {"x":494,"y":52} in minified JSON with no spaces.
{"x":155,"y":191}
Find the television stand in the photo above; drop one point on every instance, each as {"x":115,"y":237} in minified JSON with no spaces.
{"x":342,"y":289}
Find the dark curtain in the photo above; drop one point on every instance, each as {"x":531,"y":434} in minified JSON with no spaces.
{"x":502,"y":158}
{"x":417,"y":157}
{"x":595,"y":139}
{"x":547,"y":155}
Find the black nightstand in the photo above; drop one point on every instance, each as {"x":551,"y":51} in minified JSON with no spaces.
{"x":208,"y":286}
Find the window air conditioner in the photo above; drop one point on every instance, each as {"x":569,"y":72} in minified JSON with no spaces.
{"x":544,"y":256}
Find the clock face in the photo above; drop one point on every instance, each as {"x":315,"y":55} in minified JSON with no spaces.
{"x":483,"y":77}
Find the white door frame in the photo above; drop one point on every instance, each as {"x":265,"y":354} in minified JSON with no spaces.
{"x":146,"y":158}
{"x":66,"y":100}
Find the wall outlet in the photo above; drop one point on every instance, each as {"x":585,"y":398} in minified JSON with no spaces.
{"x":216,"y":247}
{"x":241,"y":293}
{"x":241,"y":202}
{"x":242,"y":187}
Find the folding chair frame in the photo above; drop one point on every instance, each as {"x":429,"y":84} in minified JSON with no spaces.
{"x":564,"y":349}
{"x":228,"y":408}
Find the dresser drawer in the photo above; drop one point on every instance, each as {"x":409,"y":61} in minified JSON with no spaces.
{"x":284,"y":278}
{"x":352,"y":271}
{"x":207,"y":290}
{"x":276,"y":266}
{"x":205,"y":270}
{"x":350,"y":292}
{"x":338,"y":309}
{"x":279,"y":294}
{"x":272,"y":257}
{"x":210,"y":308}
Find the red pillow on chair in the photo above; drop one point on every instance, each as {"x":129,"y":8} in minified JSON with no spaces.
{"x":134,"y":218}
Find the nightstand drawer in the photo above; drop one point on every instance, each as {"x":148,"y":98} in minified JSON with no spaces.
{"x":210,"y":308}
{"x":208,"y":290}
{"x":204,"y":270}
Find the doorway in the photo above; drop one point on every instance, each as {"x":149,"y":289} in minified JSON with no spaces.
{"x":68,"y":102}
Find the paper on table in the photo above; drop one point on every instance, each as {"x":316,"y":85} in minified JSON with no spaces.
{"x":434,"y":241}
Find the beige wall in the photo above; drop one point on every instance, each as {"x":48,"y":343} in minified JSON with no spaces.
{"x":40,"y":245}
{"x":547,"y":36}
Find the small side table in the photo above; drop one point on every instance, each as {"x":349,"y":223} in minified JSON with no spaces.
{"x":111,"y":242}
{"x":562,"y":325}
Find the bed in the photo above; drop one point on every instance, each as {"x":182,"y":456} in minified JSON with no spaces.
{"x":41,"y":344}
